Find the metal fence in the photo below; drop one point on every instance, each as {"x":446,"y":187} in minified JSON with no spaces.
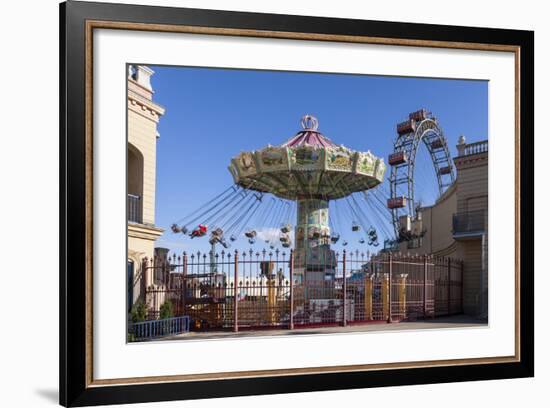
{"x":152,"y":329}
{"x":253,"y":290}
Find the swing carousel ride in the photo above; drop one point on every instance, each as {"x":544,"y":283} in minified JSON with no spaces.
{"x":304,"y":193}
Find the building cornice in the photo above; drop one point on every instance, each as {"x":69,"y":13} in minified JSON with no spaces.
{"x":143,"y":231}
{"x":474,"y":160}
{"x":143,"y":105}
{"x":138,"y":88}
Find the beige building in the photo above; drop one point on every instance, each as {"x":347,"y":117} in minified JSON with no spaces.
{"x":143,"y":118}
{"x":456,"y":225}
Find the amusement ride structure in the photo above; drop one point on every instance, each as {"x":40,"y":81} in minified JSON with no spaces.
{"x":311,"y":170}
{"x":304,"y":193}
{"x":314,"y":196}
{"x":421,"y":127}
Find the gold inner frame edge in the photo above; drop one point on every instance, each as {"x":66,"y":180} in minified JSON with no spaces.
{"x":101,"y":24}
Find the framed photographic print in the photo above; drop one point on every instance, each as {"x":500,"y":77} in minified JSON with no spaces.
{"x":256,"y":204}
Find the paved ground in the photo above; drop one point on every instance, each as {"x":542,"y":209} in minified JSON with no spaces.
{"x":448,"y":322}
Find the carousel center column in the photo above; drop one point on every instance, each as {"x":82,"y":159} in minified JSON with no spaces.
{"x":314,"y":260}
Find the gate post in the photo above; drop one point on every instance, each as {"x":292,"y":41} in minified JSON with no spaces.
{"x":449,"y":286}
{"x":461,"y":286}
{"x":291,"y":294}
{"x":184,"y":291}
{"x":344,"y":289}
{"x":271,"y":300}
{"x":235,"y":293}
{"x":425,"y":288}
{"x":403,"y":295}
{"x":165,"y":275}
{"x":368,"y":297}
{"x":390,"y":273}
{"x":145,"y":274}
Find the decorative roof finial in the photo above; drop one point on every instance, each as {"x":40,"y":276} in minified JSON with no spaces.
{"x":461,"y":146}
{"x":310,"y":122}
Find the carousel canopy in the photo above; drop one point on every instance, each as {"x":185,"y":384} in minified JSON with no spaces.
{"x":308,"y":165}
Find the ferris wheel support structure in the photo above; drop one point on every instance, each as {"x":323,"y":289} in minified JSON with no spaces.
{"x":421,"y":127}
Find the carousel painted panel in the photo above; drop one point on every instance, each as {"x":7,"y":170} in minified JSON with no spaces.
{"x":365,"y":164}
{"x":272,"y":159}
{"x":318,"y":235}
{"x":246,"y":164}
{"x":306,"y":158}
{"x":380,"y":170}
{"x":339,"y":159}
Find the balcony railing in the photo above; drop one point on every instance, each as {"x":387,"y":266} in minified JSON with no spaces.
{"x":133,"y":204}
{"x":470,"y":223}
{"x":473,"y":148}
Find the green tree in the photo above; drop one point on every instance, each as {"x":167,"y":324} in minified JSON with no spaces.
{"x":138,"y":312}
{"x":166,"y":310}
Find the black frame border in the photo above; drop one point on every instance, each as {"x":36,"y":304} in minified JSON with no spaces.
{"x":72,"y":122}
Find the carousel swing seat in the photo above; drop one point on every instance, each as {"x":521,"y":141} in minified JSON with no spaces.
{"x":218,"y":232}
{"x":216,"y":236}
{"x":285,"y":229}
{"x":373,"y":243}
{"x":284,"y":238}
{"x":200,"y":231}
{"x":250,"y":234}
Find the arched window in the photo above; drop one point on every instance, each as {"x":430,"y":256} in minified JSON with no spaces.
{"x":135,"y":184}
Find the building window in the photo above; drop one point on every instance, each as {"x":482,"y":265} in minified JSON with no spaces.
{"x":135,"y":185}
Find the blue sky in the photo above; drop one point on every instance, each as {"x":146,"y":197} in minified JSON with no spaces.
{"x":213,"y":114}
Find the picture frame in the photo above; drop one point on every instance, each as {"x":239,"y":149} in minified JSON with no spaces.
{"x":78,"y":20}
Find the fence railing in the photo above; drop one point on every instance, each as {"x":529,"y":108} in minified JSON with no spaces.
{"x":476,"y":148}
{"x":151,"y":329}
{"x":469,"y":222}
{"x":133,"y":204}
{"x":248,"y":290}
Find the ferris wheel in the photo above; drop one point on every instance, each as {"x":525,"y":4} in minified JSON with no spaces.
{"x":421,"y":127}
